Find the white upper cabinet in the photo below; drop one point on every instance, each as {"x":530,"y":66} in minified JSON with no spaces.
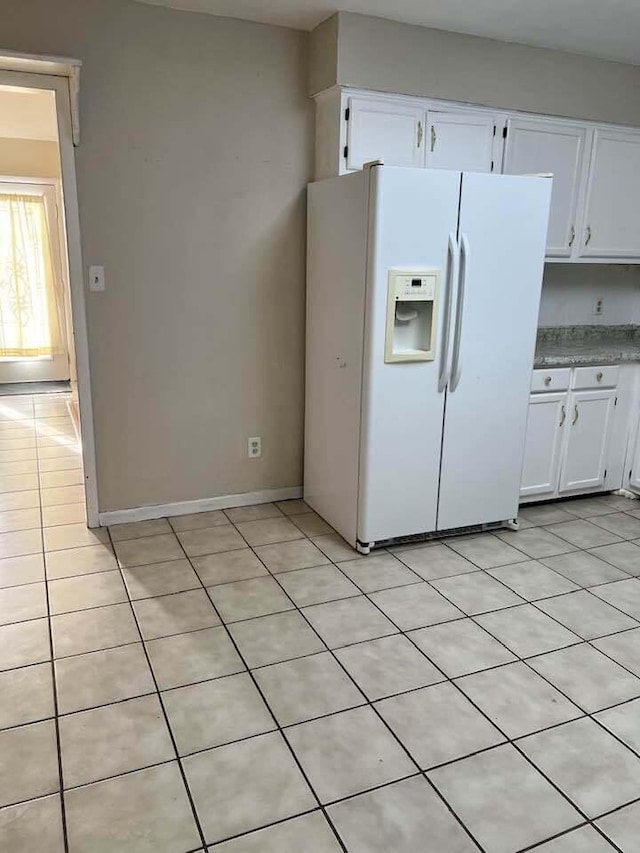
{"x":387,"y":130}
{"x":459,"y":141}
{"x":611,"y":222}
{"x":534,"y":147}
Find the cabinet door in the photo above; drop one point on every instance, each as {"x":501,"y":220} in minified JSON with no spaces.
{"x":535,"y":147}
{"x":612,"y":213}
{"x":543,"y":445}
{"x":461,"y":141}
{"x":634,"y":473}
{"x":384,"y":130}
{"x":588,"y":426}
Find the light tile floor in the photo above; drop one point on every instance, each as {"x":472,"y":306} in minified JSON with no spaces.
{"x":243,"y":682}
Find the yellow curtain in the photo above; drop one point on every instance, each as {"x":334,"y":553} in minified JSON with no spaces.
{"x":30,"y":310}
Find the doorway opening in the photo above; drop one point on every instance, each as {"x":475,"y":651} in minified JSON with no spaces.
{"x":46,"y":432}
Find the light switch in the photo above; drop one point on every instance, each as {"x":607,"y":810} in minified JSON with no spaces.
{"x":96,"y":279}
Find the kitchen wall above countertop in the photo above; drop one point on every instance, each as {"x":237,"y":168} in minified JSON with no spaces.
{"x":568,"y":346}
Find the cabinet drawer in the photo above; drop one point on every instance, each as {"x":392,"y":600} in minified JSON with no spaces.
{"x":595,"y":377}
{"x":556,"y":379}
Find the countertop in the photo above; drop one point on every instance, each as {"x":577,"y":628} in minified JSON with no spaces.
{"x":571,"y":346}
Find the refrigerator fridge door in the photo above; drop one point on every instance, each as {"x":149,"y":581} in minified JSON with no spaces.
{"x":413,"y":218}
{"x":502,"y":233}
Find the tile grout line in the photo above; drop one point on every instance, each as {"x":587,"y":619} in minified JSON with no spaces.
{"x":56,"y":707}
{"x":162,"y":706}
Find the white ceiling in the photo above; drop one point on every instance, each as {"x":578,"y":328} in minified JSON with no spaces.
{"x":27,"y":114}
{"x":609,"y":29}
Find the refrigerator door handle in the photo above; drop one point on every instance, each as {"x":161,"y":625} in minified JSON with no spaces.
{"x":456,"y":369}
{"x":453,"y":252}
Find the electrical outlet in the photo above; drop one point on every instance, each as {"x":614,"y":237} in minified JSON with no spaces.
{"x":598,"y":307}
{"x":254,"y":447}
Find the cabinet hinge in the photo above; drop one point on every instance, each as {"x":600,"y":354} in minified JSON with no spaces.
{"x":504,"y":132}
{"x":630,"y":470}
{"x":615,"y":402}
{"x":494,"y":130}
{"x":347,"y":113}
{"x":492,"y":164}
{"x":605,"y":472}
{"x":346,"y":151}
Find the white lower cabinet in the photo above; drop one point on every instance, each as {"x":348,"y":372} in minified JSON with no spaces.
{"x":545,"y":430}
{"x":589,"y":421}
{"x":568,"y":439}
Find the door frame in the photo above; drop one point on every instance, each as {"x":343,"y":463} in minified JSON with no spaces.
{"x":60,"y":86}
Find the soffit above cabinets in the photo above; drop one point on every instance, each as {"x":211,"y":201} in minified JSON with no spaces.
{"x":605,"y":30}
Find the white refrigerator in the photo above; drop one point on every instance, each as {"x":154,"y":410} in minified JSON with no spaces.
{"x":423,"y":290}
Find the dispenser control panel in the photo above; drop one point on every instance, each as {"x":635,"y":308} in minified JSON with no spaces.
{"x":412,"y":315}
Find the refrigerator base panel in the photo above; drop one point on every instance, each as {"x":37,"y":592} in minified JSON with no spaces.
{"x":417,"y":538}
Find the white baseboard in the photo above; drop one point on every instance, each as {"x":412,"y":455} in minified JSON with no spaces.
{"x":146,"y":513}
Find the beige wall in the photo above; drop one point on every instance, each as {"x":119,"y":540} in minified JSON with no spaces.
{"x":374,"y":53}
{"x":29,"y":158}
{"x":196,"y":147}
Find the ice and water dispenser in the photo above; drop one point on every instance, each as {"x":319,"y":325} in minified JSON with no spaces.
{"x":412,"y":315}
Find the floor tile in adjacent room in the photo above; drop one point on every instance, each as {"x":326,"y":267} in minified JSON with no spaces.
{"x":517,"y":700}
{"x":19,"y":519}
{"x":192,"y":657}
{"x":143,"y":811}
{"x":22,"y":603}
{"x":403,"y":817}
{"x":506,"y":804}
{"x":476,"y":593}
{"x":112,"y":740}
{"x":175,"y":614}
{"x":98,"y":678}
{"x":388,"y":666}
{"x":77,"y":535}
{"x":28,"y":762}
{"x":461,"y":647}
{"x":31,"y":826}
{"x":587,"y":677}
{"x":17,"y":571}
{"x":438,"y":724}
{"x":348,"y":753}
{"x":271,"y":639}
{"x":588,"y":764}
{"x":246,"y":785}
{"x":216,"y":712}
{"x":586,"y":615}
{"x":26,"y":695}
{"x":350,"y":620}
{"x":20,"y":542}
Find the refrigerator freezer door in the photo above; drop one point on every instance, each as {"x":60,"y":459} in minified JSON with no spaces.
{"x":411,"y":215}
{"x":503,"y":227}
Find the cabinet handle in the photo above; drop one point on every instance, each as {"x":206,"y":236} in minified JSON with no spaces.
{"x":420,"y":134}
{"x":434,"y":138}
{"x":599,"y":376}
{"x":572,"y":236}
{"x":547,"y":380}
{"x":587,"y":235}
{"x":576,"y":415}
{"x":563,"y":416}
